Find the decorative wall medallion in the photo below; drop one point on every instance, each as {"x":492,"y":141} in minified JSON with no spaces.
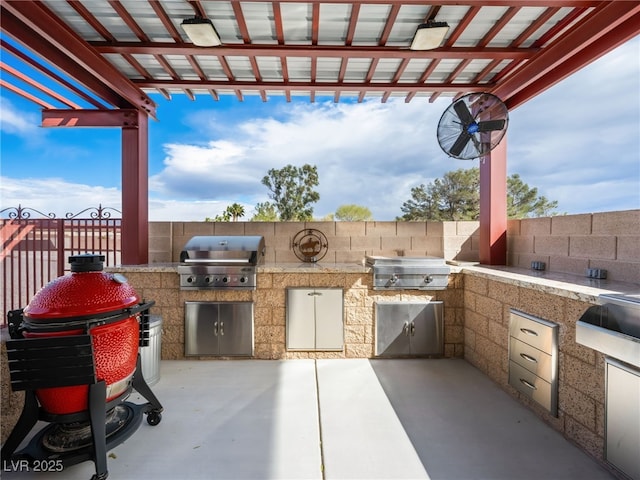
{"x":310,"y":245}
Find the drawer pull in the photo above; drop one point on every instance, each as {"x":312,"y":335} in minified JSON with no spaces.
{"x":528,"y":384}
{"x":527,"y":331}
{"x":529,"y":358}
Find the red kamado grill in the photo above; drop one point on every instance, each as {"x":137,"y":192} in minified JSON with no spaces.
{"x":75,"y":352}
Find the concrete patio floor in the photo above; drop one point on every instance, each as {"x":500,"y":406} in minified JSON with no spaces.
{"x":337,"y":419}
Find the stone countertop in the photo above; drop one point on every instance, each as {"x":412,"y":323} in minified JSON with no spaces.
{"x":264,"y":268}
{"x":562,"y":284}
{"x":566,"y":285}
{"x":318,"y":267}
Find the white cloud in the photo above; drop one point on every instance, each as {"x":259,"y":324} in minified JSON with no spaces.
{"x":579,"y":142}
{"x":365,"y":153}
{"x":17,"y":122}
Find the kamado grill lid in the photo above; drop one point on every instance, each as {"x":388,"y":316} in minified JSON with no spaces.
{"x":86,"y":293}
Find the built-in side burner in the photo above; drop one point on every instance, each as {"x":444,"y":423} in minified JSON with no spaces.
{"x":409,"y":273}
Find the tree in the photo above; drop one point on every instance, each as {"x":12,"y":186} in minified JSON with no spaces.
{"x":353,"y":213}
{"x":235,"y":211}
{"x":523,"y":201}
{"x":265,"y":212}
{"x":457,"y":197}
{"x":292,"y":191}
{"x":232,"y":213}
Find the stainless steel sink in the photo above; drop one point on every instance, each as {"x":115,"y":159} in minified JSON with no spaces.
{"x":613,"y":327}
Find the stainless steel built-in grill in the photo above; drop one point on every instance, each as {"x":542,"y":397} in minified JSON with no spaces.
{"x":220,"y":262}
{"x":409,"y":273}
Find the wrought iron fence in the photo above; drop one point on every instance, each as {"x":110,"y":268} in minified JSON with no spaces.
{"x":35,"y":247}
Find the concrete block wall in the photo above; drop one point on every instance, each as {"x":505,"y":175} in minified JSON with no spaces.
{"x":347,"y":241}
{"x":581,"y":394}
{"x":574,"y":243}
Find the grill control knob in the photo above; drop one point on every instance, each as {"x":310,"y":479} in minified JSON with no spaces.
{"x":243,"y":279}
{"x":393,"y":279}
{"x":208,"y":279}
{"x":191,"y":279}
{"x":225,"y":279}
{"x":428,"y":279}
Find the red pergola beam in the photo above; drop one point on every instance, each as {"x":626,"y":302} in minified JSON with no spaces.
{"x":298,"y":86}
{"x":64,"y":43}
{"x":313,"y":51}
{"x":612,"y":24}
{"x":134,"y":125}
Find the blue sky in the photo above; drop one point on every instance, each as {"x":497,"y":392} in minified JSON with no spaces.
{"x":578,"y":143}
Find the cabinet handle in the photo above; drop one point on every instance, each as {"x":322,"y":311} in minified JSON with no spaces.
{"x":413,"y":329}
{"x":221,"y":328}
{"x":215,"y":328}
{"x":528,"y":384}
{"x":405,"y":328}
{"x":527,"y":331}
{"x":528,"y":358}
{"x":314,"y":294}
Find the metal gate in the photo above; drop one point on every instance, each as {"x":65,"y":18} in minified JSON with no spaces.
{"x":35,"y":251}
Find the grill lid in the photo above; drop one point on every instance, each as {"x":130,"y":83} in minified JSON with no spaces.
{"x":223,"y":250}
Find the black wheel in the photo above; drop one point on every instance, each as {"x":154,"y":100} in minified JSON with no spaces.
{"x":153,"y":418}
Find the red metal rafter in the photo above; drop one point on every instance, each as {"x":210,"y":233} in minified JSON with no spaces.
{"x":627,"y":30}
{"x":50,"y":74}
{"x":386,"y":31}
{"x":353,"y":21}
{"x":38,"y":86}
{"x":198,"y":10}
{"x":166,"y":21}
{"x":315,"y":23}
{"x":400,"y":70}
{"x":30,"y":39}
{"x":25,"y":94}
{"x":485,"y":3}
{"x":79,"y":60}
{"x":242,"y":24}
{"x":277,"y":20}
{"x":298,"y":86}
{"x":499,"y":25}
{"x":534,"y":26}
{"x":98,"y":27}
{"x":604,"y":29}
{"x":484,"y":41}
{"x":142,"y":36}
{"x":163,"y":48}
{"x":565,"y":22}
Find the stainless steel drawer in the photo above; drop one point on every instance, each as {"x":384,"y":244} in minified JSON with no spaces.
{"x":537,"y":362}
{"x":536,"y":332}
{"x":533,"y":387}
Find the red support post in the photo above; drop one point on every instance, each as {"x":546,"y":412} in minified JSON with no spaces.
{"x":135,"y":192}
{"x":493,"y":206}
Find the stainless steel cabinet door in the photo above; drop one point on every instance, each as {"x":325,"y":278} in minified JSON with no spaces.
{"x":392,"y":324}
{"x":409,"y":328}
{"x":329,"y":321}
{"x":426,"y":329}
{"x":301,"y":329}
{"x":315,"y":319}
{"x":623,"y":417}
{"x":235,"y":329}
{"x":218,"y":328}
{"x":200,"y":321}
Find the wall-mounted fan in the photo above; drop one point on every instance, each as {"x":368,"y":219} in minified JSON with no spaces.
{"x":472,"y":126}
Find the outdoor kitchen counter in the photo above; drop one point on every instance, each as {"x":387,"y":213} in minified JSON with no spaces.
{"x":319,"y":267}
{"x":562,"y":284}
